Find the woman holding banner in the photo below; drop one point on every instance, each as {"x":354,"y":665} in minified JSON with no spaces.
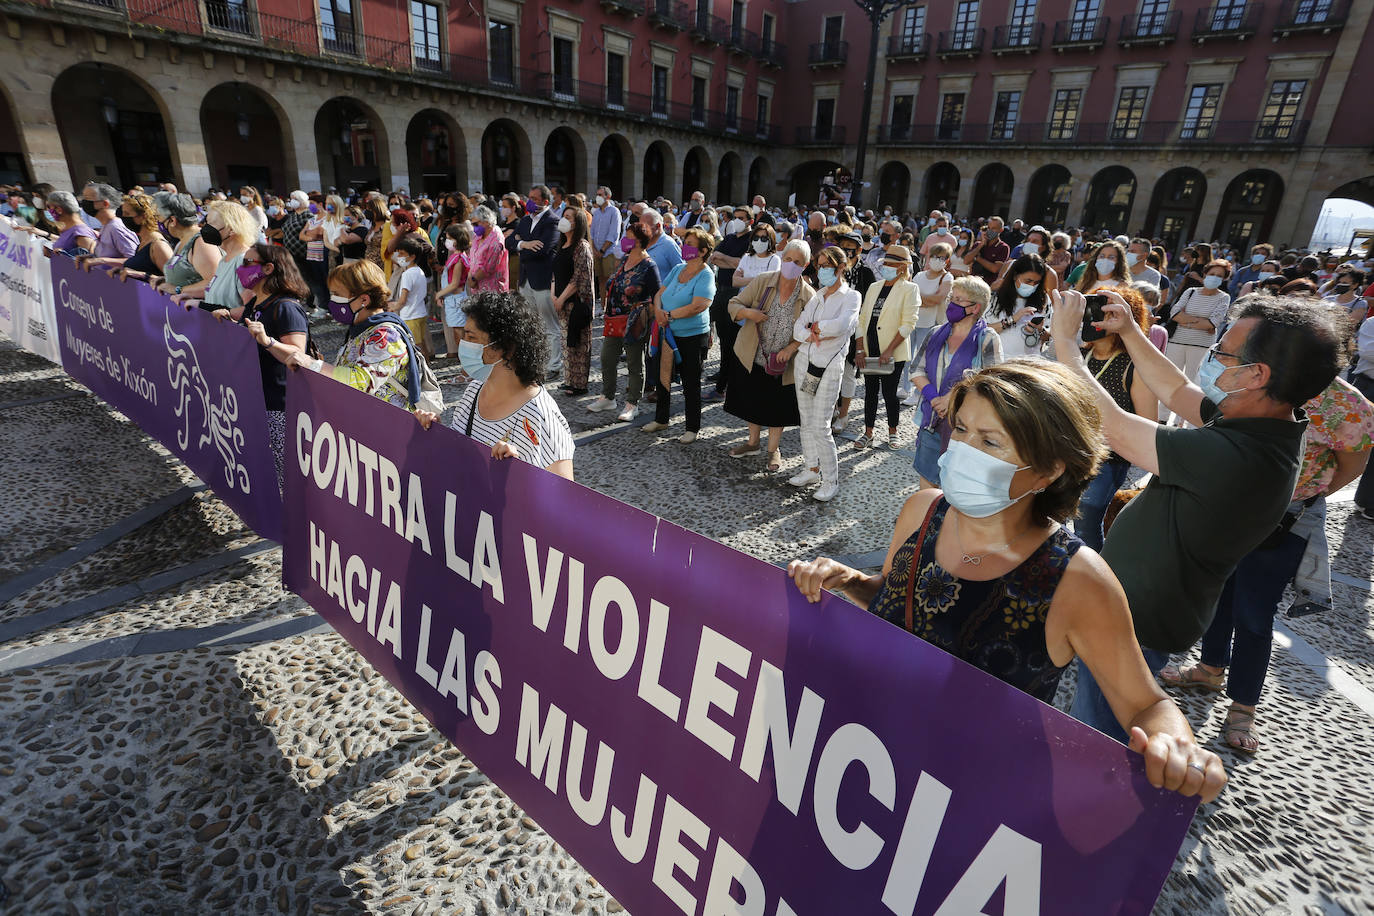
{"x":229,"y":227}
{"x":987,"y":571}
{"x":191,"y":261}
{"x":72,"y":235}
{"x":504,"y":350}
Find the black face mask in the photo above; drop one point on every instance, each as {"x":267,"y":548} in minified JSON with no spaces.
{"x":89,"y":207}
{"x":211,"y":235}
{"x":1342,"y":288}
{"x":887,"y":238}
{"x":131,"y":223}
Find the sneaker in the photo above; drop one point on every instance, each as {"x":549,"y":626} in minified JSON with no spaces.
{"x":838,"y":424}
{"x":1368,"y":513}
{"x":687,"y":438}
{"x":601,"y":404}
{"x":805,"y":478}
{"x":654,"y":426}
{"x":745,"y":450}
{"x":826,"y":492}
{"x":628,"y":414}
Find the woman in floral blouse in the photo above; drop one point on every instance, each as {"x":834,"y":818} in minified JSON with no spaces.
{"x":488,"y":256}
{"x":629,"y":309}
{"x":574,"y":274}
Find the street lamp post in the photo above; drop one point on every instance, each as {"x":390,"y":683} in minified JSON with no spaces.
{"x":877,"y":11}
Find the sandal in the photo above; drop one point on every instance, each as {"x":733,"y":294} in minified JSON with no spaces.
{"x":1238,"y":732}
{"x":863,"y":442}
{"x":745,"y":450}
{"x":774,"y":462}
{"x":1192,"y":676}
{"x":892,"y":441}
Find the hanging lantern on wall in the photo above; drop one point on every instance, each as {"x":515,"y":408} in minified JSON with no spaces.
{"x":109,"y":110}
{"x":245,"y":126}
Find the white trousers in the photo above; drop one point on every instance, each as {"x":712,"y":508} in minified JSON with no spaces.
{"x":542,"y":300}
{"x":818,"y":445}
{"x":1188,"y":359}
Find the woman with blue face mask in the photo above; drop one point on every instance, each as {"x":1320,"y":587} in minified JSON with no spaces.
{"x":887,"y":321}
{"x":504,"y":349}
{"x":1020,"y":308}
{"x":986,"y":570}
{"x":1200,"y":313}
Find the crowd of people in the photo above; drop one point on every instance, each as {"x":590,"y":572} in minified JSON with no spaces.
{"x":1044,"y":369}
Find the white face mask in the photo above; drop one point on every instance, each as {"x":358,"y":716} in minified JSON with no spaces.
{"x":936,"y":263}
{"x":1030,"y":248}
{"x":450,"y":244}
{"x":941,"y":230}
{"x":976,"y":483}
{"x":564,"y":226}
{"x":1132,"y":259}
{"x":600,"y":201}
{"x":1105,"y":268}
{"x":734,"y":227}
{"x":400,"y":260}
{"x":292,"y":204}
{"x":1264,"y":275}
{"x":1024,"y":290}
{"x":246,"y":201}
{"x":760,"y":246}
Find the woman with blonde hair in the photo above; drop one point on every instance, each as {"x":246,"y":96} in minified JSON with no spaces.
{"x":887,"y":320}
{"x":231,"y":228}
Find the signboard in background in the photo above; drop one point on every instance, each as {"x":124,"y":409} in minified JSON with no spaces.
{"x":184,"y":378}
{"x":700,"y":737}
{"x":26,"y":303}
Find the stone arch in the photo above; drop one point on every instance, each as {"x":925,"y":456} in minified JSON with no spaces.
{"x":992,"y":190}
{"x":1111,"y":194}
{"x":1249,"y":208}
{"x":760,"y":179}
{"x":506,"y":158}
{"x":615,"y":164}
{"x":1174,"y":207}
{"x":352,"y":145}
{"x":660,"y":170}
{"x":14,"y":153}
{"x":94,"y":102}
{"x":941,"y":184}
{"x":696,"y":169}
{"x":728,"y":175}
{"x":247,"y":138}
{"x":1361,"y":189}
{"x":435,"y":158}
{"x":894,"y":186}
{"x":565,"y":159}
{"x":1048,"y":195}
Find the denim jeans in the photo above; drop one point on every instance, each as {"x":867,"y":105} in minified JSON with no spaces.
{"x":1092,"y":508}
{"x":1241,"y":635}
{"x":1090,"y":705}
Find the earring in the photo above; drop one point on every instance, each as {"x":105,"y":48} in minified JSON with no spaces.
{"x":1041,"y":490}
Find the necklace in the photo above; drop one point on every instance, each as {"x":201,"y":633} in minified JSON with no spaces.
{"x":977,"y":559}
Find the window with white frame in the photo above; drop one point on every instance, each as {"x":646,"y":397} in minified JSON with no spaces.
{"x":424,"y":35}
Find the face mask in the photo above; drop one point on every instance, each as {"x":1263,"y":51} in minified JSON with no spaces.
{"x":1209,"y":373}
{"x":887,"y":272}
{"x":791,"y":270}
{"x":54,"y":215}
{"x":38,"y":203}
{"x":1342,"y":288}
{"x":341,"y":309}
{"x":963,"y":243}
{"x":89,"y":207}
{"x":930,"y":222}
{"x":314,"y":208}
{"x":936,"y":263}
{"x":600,"y":201}
{"x":249,"y":274}
{"x":328,"y":208}
{"x":827,"y":276}
{"x":400,"y":260}
{"x":760,"y":246}
{"x":274,"y":210}
{"x":245,"y":200}
{"x":976,"y":483}
{"x":1264,"y":275}
{"x":955,"y":313}
{"x":1212,"y":281}
{"x":1105,"y":268}
{"x":887,"y":238}
{"x":293,"y":204}
{"x":690,"y":252}
{"x":479,"y":230}
{"x":1024,"y":290}
{"x":942,"y":231}
{"x":211,"y":235}
{"x":1257,"y":259}
{"x":627,"y":244}
{"x":470,"y":357}
{"x":696,"y":205}
{"x":450,"y":244}
{"x":565,"y":226}
{"x":130,"y":223}
{"x":505,"y":213}
{"x":887,"y":213}
{"x":1030,"y":248}
{"x":531,"y":207}
{"x":734,"y":227}
{"x":1132,"y":259}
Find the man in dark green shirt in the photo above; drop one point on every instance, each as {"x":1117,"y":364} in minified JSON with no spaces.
{"x":1218,"y":489}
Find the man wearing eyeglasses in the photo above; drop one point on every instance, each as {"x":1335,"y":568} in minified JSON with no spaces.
{"x":1219,"y":489}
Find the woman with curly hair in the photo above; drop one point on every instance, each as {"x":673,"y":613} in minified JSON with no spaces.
{"x":503,"y":349}
{"x":139,"y":213}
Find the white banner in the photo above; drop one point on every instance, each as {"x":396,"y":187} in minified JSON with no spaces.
{"x":26,"y":304}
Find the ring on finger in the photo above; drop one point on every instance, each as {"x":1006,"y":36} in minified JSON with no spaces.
{"x":1199,"y":767}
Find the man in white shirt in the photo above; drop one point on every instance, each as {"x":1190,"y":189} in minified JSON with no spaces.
{"x":1137,"y":258}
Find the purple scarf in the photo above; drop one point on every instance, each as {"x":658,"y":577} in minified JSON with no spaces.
{"x":959,"y":363}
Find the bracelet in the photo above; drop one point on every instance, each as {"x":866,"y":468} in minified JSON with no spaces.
{"x":269,"y":345}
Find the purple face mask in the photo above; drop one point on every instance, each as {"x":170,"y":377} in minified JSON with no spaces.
{"x":690,"y":252}
{"x":342,"y":312}
{"x":531,"y":207}
{"x":791,"y":270}
{"x":627,"y":244}
{"x":479,"y":230}
{"x":249,"y":274}
{"x":314,"y":208}
{"x":955,"y":312}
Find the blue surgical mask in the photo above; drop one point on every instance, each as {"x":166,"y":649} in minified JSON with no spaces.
{"x":1257,"y":259}
{"x":976,"y":483}
{"x":1024,"y":290}
{"x":1208,"y":374}
{"x":470,"y":358}
{"x":1212,"y":281}
{"x":1264,"y":275}
{"x":887,"y":272}
{"x":827,"y":276}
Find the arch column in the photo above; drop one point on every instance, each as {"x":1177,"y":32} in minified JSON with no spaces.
{"x":1210,"y":210}
{"x":472,"y":148}
{"x":185,"y":140}
{"x":1020,"y":195}
{"x":31,"y":105}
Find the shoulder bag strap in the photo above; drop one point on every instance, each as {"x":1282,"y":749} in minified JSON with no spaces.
{"x":467,"y":427}
{"x":915,"y":565}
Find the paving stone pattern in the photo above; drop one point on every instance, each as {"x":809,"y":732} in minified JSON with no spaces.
{"x":286,"y":776}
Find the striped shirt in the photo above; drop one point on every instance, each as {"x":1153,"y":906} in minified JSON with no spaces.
{"x":537,"y":428}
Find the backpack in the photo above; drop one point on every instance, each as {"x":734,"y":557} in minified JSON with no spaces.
{"x":422,"y":390}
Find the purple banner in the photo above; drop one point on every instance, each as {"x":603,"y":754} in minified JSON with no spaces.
{"x":184,"y":378}
{"x":699,"y":736}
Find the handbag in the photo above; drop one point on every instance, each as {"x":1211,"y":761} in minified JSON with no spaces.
{"x":1171,"y":325}
{"x":876,"y":366}
{"x":772,"y":365}
{"x":909,"y":619}
{"x":615,"y":326}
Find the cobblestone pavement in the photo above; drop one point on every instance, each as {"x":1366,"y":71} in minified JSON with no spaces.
{"x":181,"y":736}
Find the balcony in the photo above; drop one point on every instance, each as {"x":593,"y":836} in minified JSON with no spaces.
{"x":1156,"y":29}
{"x":228,"y":17}
{"x":1081,"y":34}
{"x":1097,"y":134}
{"x":742,"y":41}
{"x":1311,"y":17}
{"x":709,"y":29}
{"x":908,"y":47}
{"x":1018,"y":39}
{"x":1226,"y":23}
{"x":631,"y":8}
{"x":960,"y":43}
{"x":827,"y":54}
{"x":772,"y":53}
{"x":821,"y":135}
{"x":669,"y":15}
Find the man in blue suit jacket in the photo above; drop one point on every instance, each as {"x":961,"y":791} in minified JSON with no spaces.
{"x":534,"y":240}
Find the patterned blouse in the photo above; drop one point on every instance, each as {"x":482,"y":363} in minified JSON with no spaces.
{"x":370,"y":361}
{"x":630,"y":287}
{"x":776,"y":330}
{"x":1338,"y":420}
{"x":489,"y":257}
{"x":997,"y":625}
